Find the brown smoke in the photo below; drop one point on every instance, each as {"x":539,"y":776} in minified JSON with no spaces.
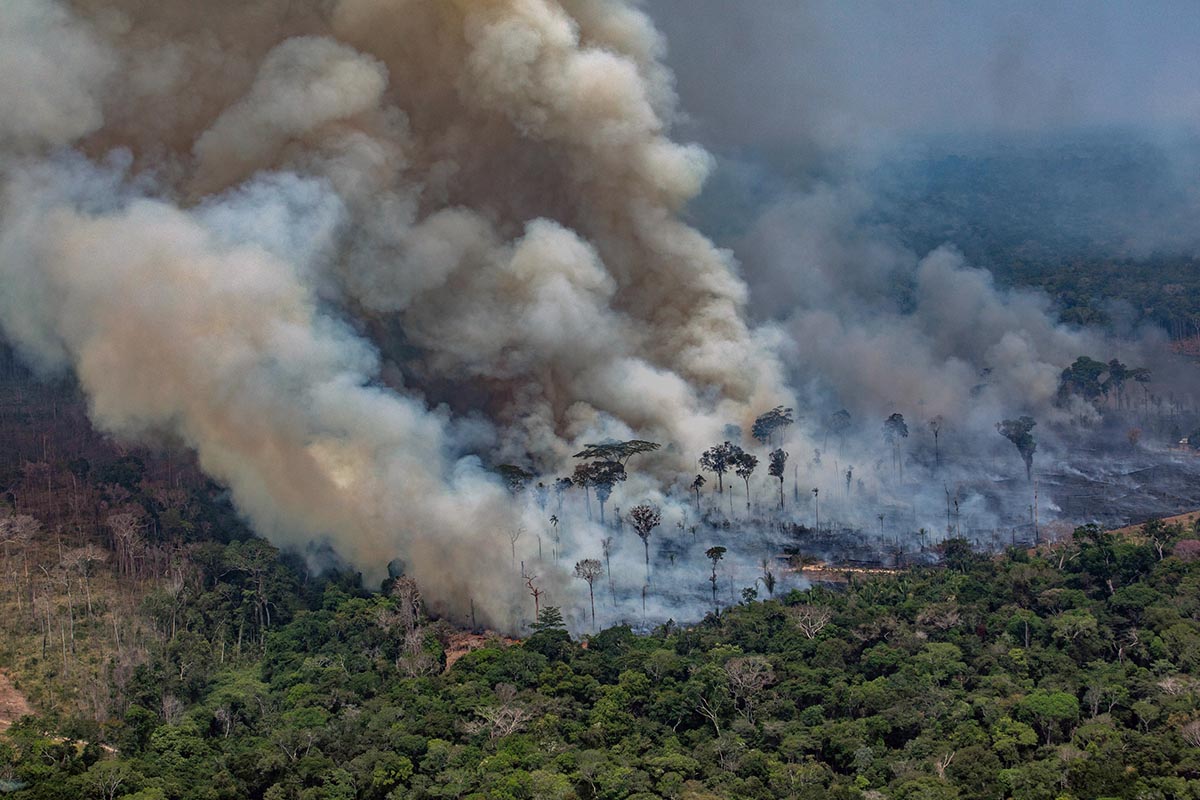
{"x":271,"y":205}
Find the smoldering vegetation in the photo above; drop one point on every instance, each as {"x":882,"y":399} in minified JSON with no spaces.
{"x":388,"y":266}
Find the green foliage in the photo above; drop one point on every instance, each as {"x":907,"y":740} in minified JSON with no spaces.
{"x":1038,"y":676}
{"x":1020,"y":432}
{"x":767,"y":424}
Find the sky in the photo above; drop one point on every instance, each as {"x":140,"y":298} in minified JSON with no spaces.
{"x":781,"y":73}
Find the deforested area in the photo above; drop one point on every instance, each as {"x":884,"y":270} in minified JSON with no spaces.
{"x":598,"y":399}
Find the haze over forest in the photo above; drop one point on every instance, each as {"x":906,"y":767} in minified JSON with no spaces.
{"x":383,"y":281}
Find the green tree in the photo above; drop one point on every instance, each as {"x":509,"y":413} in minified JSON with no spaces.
{"x":1050,"y":711}
{"x":767,"y":424}
{"x":777,"y":467}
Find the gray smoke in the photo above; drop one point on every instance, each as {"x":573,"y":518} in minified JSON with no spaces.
{"x":356,"y":253}
{"x":826,"y":121}
{"x":353,"y":253}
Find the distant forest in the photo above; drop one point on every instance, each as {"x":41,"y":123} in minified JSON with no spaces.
{"x":1103,"y":223}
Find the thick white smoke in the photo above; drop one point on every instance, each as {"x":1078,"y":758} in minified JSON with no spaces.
{"x":322,"y":241}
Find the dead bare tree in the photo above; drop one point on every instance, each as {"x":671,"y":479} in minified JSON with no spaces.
{"x":607,"y":545}
{"x":81,"y":561}
{"x":19,"y":530}
{"x":414,"y":660}
{"x":513,"y":536}
{"x":811,"y":620}
{"x":1191,"y":732}
{"x":504,"y":718}
{"x":126,"y":527}
{"x":408,"y":602}
{"x":534,"y":592}
{"x":748,"y":675}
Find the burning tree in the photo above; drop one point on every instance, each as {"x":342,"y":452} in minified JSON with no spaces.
{"x":645,"y":518}
{"x":697,"y":485}
{"x":719,"y":460}
{"x":744,"y":466}
{"x":588,"y":570}
{"x":1019,"y":431}
{"x":767,"y":424}
{"x":778,"y":463}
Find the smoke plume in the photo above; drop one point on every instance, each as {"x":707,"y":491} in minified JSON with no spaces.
{"x":359,"y":253}
{"x":356,"y":252}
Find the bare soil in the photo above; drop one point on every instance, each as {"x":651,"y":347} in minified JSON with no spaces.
{"x":463,"y":642}
{"x":1186,"y":520}
{"x":13,"y":704}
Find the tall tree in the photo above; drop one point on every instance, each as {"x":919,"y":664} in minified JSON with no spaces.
{"x":768,"y":577}
{"x":767,"y":424}
{"x":778,"y":463}
{"x":515,"y":478}
{"x":617,"y":451}
{"x":583,"y":478}
{"x":645,"y":518}
{"x":935,"y":425}
{"x":1119,"y":375}
{"x":718,"y":460}
{"x":606,"y":475}
{"x":561,"y":487}
{"x":601,"y":476}
{"x":1019,"y":431}
{"x":895,"y":431}
{"x":535,"y":592}
{"x":715,"y":554}
{"x":837,"y":424}
{"x":744,"y":467}
{"x":513,"y":535}
{"x":697,"y":485}
{"x":557,"y":540}
{"x":588,"y":570}
{"x":1082,"y":379}
{"x":606,"y":545}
